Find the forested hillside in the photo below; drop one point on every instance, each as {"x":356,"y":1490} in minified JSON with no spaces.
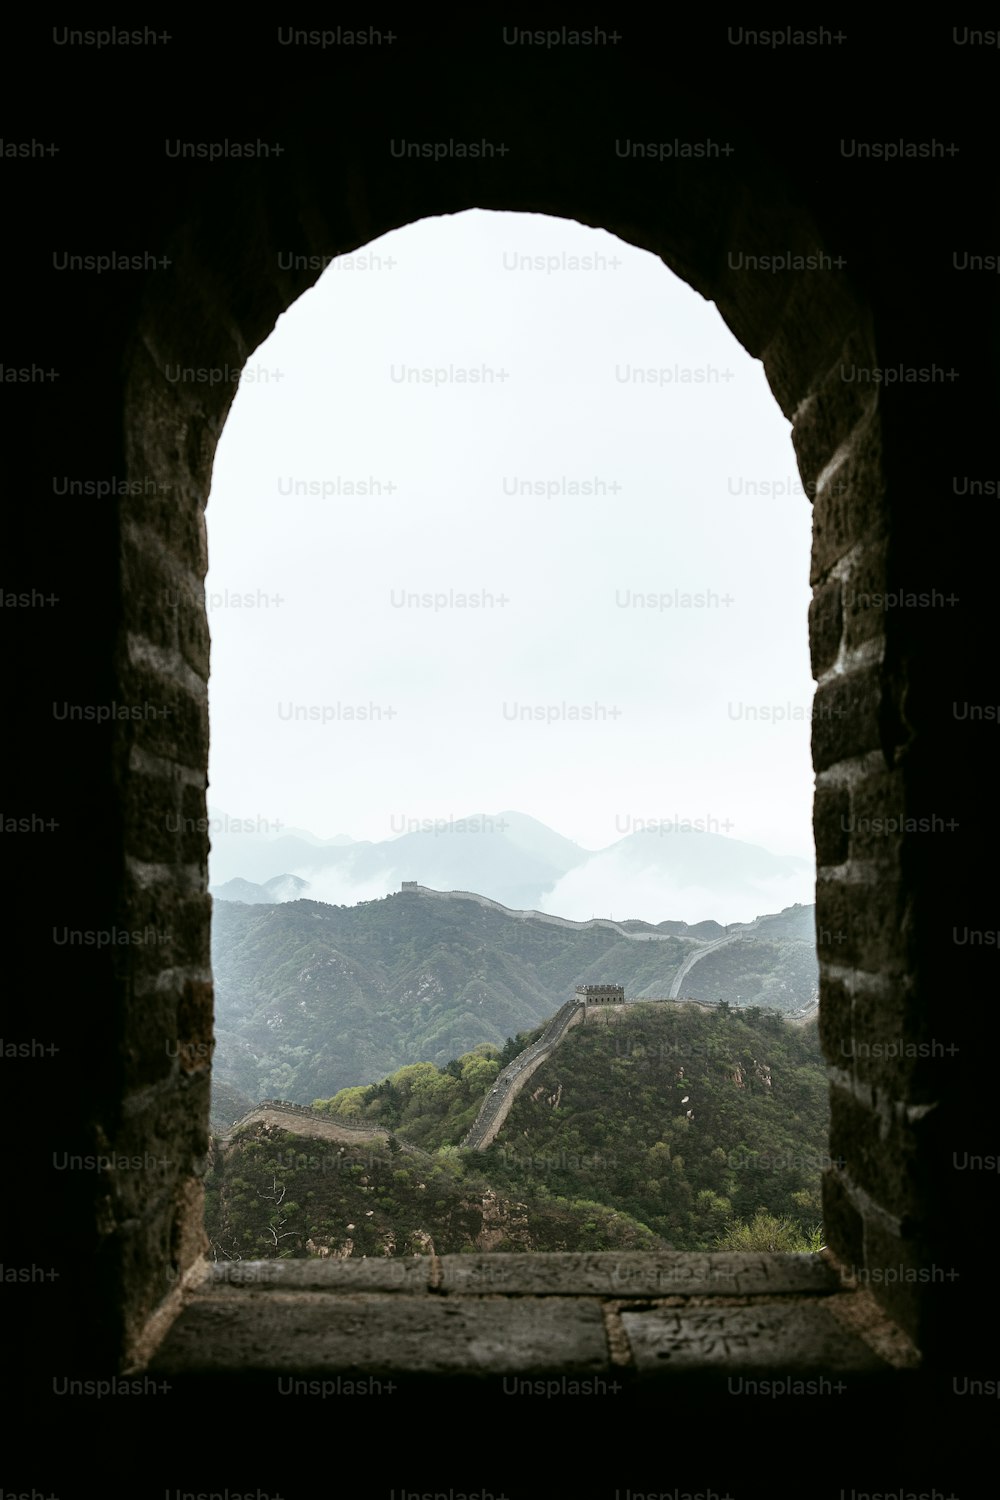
{"x":311,"y":998}
{"x":664,"y":1126}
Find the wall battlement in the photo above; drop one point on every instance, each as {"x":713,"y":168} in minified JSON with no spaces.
{"x":601,"y":994}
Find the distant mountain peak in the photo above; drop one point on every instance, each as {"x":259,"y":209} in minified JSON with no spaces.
{"x":655,"y":875}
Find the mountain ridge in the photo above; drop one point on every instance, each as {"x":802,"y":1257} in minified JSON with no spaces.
{"x":311,"y":998}
{"x":518,"y":861}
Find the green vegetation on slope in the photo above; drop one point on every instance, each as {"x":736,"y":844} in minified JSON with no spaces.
{"x":273,"y":1195}
{"x":689,"y":1120}
{"x":426,"y":1105}
{"x":664,"y":1126}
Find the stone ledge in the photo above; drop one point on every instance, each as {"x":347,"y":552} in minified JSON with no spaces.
{"x":410,"y":1274}
{"x":795,"y":1341}
{"x":635,"y":1274}
{"x":631,"y":1319}
{"x":373,"y":1334}
{"x":526,"y":1274}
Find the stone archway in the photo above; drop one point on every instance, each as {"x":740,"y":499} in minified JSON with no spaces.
{"x":207,"y":288}
{"x":186,"y":359}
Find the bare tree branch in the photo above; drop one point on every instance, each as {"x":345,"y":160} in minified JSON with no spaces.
{"x":274,"y":1194}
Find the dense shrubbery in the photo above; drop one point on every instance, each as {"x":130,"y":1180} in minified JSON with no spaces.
{"x":766,"y":1233}
{"x":276,"y":1195}
{"x":429,"y":1106}
{"x":689,"y":1121}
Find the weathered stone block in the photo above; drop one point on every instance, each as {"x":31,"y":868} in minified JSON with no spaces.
{"x":898,"y":1271}
{"x":881,"y":1148}
{"x":152,"y":813}
{"x":798,"y":1340}
{"x":411,"y":1274}
{"x":850,"y":507}
{"x":845,"y":717}
{"x":827,"y":417}
{"x":635,"y":1274}
{"x":371,"y":1333}
{"x":826,"y":626}
{"x":816,"y":317}
{"x":831,"y":809}
{"x":873,"y":824}
{"x":835,"y":1018}
{"x":843,"y":1225}
{"x":867,"y":596}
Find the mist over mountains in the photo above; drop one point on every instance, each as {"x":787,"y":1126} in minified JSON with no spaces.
{"x":660,"y":870}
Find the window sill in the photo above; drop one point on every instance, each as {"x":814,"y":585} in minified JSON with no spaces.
{"x":591,"y":1321}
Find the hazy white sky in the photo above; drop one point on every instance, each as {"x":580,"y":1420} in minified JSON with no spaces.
{"x":560,"y":695}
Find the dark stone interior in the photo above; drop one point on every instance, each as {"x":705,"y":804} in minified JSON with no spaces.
{"x":893,"y":466}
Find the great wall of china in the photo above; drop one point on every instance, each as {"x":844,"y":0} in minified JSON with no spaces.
{"x":496,"y":1106}
{"x":303,"y":1120}
{"x":498,"y":1102}
{"x":411,"y":887}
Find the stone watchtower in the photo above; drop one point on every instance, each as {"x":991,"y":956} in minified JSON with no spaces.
{"x":409,"y":885}
{"x":601,"y":994}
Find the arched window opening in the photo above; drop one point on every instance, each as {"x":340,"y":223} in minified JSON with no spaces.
{"x":508,"y":572}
